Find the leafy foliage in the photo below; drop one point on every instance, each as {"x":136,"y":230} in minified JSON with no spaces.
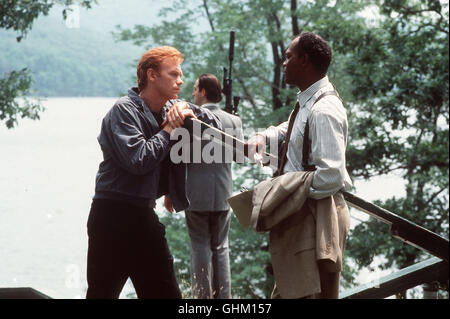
{"x":251,"y":274}
{"x":17,"y":82}
{"x":19,"y":16}
{"x":70,"y":62}
{"x":178,"y":241}
{"x":401,"y":123}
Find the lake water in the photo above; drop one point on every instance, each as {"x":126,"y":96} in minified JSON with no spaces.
{"x":47,"y":175}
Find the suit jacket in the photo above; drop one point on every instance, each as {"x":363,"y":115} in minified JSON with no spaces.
{"x":208,"y":185}
{"x":302,"y":231}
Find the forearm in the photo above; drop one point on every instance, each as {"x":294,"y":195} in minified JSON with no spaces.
{"x":326,"y":182}
{"x":275,"y":133}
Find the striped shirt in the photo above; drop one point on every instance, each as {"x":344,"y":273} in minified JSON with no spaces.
{"x":328,"y":129}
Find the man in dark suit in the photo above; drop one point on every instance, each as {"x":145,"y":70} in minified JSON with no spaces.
{"x":208,"y":185}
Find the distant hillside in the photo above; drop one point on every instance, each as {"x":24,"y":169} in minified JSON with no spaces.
{"x":84,"y":61}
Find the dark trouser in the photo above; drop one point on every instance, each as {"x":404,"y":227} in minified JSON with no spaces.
{"x":127,"y":241}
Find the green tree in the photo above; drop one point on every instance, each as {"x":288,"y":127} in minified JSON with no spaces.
{"x":401,"y":122}
{"x":19,"y":15}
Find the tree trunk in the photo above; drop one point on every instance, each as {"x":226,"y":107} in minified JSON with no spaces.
{"x":277,"y":61}
{"x":295,"y":29}
{"x":276,"y":77}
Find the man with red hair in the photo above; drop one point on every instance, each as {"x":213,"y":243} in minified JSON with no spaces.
{"x":126,"y":239}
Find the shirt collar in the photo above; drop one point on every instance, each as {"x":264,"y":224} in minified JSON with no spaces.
{"x":210,"y":106}
{"x":306,"y":95}
{"x":133,"y":94}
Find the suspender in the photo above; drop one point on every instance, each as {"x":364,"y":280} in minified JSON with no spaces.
{"x":306,"y":141}
{"x":282,"y":159}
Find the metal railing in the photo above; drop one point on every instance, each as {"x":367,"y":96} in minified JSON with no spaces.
{"x":435,"y":269}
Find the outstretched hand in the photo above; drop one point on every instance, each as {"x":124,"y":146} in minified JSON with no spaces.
{"x":256,"y":145}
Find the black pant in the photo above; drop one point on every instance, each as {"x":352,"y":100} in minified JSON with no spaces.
{"x":128,"y":241}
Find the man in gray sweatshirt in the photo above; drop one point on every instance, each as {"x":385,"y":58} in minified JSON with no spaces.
{"x":126,"y":239}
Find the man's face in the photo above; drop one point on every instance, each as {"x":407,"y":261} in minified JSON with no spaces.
{"x":168,"y":80}
{"x":198,"y":97}
{"x":293,"y":65}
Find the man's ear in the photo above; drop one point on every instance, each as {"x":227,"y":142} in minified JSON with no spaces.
{"x":152,"y":74}
{"x":304,"y":59}
{"x":203,"y":92}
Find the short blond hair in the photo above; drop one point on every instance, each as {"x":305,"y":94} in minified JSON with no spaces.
{"x":152,"y":59}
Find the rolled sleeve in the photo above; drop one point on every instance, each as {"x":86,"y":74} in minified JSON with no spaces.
{"x":277,"y":133}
